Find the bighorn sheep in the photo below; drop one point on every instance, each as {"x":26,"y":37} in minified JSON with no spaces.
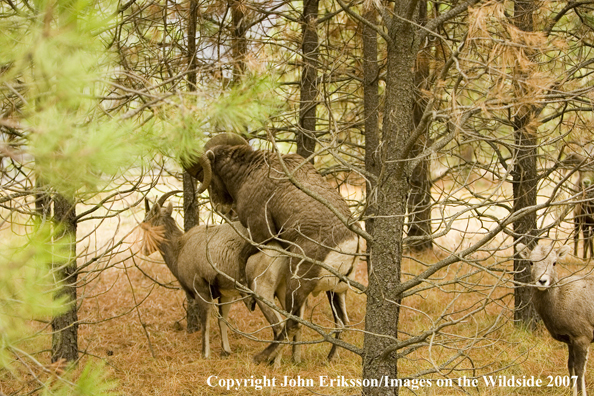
{"x":193,"y":256}
{"x":272,"y":207}
{"x":566,"y":307}
{"x":583,"y":214}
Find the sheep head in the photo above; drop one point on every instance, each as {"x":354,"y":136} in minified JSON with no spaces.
{"x":201,"y":168}
{"x":153,"y":225}
{"x":543,"y":260}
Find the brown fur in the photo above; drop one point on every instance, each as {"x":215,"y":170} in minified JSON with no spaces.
{"x":204,"y":258}
{"x":272,"y":207}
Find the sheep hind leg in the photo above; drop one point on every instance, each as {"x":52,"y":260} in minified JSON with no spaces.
{"x":273,"y":317}
{"x":288,"y":332}
{"x":296,"y":352}
{"x":224,"y":308}
{"x":341,"y":320}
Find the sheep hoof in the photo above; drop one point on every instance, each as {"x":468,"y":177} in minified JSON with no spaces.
{"x":252,"y":304}
{"x":260,"y":358}
{"x":225,"y":353}
{"x":177,"y":326}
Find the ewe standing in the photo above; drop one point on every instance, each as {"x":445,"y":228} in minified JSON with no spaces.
{"x":566,"y":307}
{"x":206,"y":260}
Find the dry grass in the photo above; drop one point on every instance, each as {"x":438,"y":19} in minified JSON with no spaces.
{"x":127,"y":318}
{"x":138,"y":328}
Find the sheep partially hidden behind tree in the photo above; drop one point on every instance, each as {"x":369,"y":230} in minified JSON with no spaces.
{"x":583,"y":214}
{"x":193,"y":256}
{"x":566,"y":307}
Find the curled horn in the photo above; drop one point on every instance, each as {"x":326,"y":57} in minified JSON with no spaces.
{"x":163,"y":197}
{"x":225,"y":139}
{"x":202,"y":163}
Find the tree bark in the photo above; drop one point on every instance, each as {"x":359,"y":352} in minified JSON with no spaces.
{"x":189,"y":184}
{"x":42,"y":202}
{"x":239,"y":41}
{"x":384,"y":268}
{"x":525,"y":183}
{"x":371,"y":103}
{"x":306,"y":139}
{"x":65,"y":326}
{"x":191,"y":212}
{"x":419,"y":200}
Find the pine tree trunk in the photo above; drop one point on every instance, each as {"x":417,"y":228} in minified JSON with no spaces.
{"x":65,"y":326}
{"x":239,"y":42}
{"x":371,"y":103}
{"x":306,"y":141}
{"x":419,"y":200}
{"x":384,"y":268}
{"x":191,"y":220}
{"x":190,"y":204}
{"x":525,"y":184}
{"x":42,"y":202}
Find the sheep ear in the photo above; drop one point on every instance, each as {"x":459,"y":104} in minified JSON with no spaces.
{"x":523,"y":251}
{"x":563,"y":251}
{"x":147,"y":206}
{"x":169,"y":209}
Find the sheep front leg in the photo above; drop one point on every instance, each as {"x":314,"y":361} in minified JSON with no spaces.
{"x":580,"y":358}
{"x":203,"y":301}
{"x":570,"y":360}
{"x":588,"y":243}
{"x":571,"y":366}
{"x":205,"y":321}
{"x":576,"y":235}
{"x":224,"y":308}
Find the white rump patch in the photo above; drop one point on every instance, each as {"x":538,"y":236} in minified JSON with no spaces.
{"x":343,"y":260}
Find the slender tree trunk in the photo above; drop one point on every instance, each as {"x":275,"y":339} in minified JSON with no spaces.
{"x":525,"y":182}
{"x":42,"y":202}
{"x":371,"y":110}
{"x":190,"y":203}
{"x":419,"y":200}
{"x":190,"y":220}
{"x":239,"y":41}
{"x":65,"y":326}
{"x":306,"y":140}
{"x":384,"y":269}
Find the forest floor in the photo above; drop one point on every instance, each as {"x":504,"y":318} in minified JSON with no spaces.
{"x":137,"y":328}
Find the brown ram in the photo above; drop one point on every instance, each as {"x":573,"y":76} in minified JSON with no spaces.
{"x":272,"y":207}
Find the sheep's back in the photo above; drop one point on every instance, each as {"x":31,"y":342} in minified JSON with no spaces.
{"x":293,"y":212}
{"x":207,"y":246}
